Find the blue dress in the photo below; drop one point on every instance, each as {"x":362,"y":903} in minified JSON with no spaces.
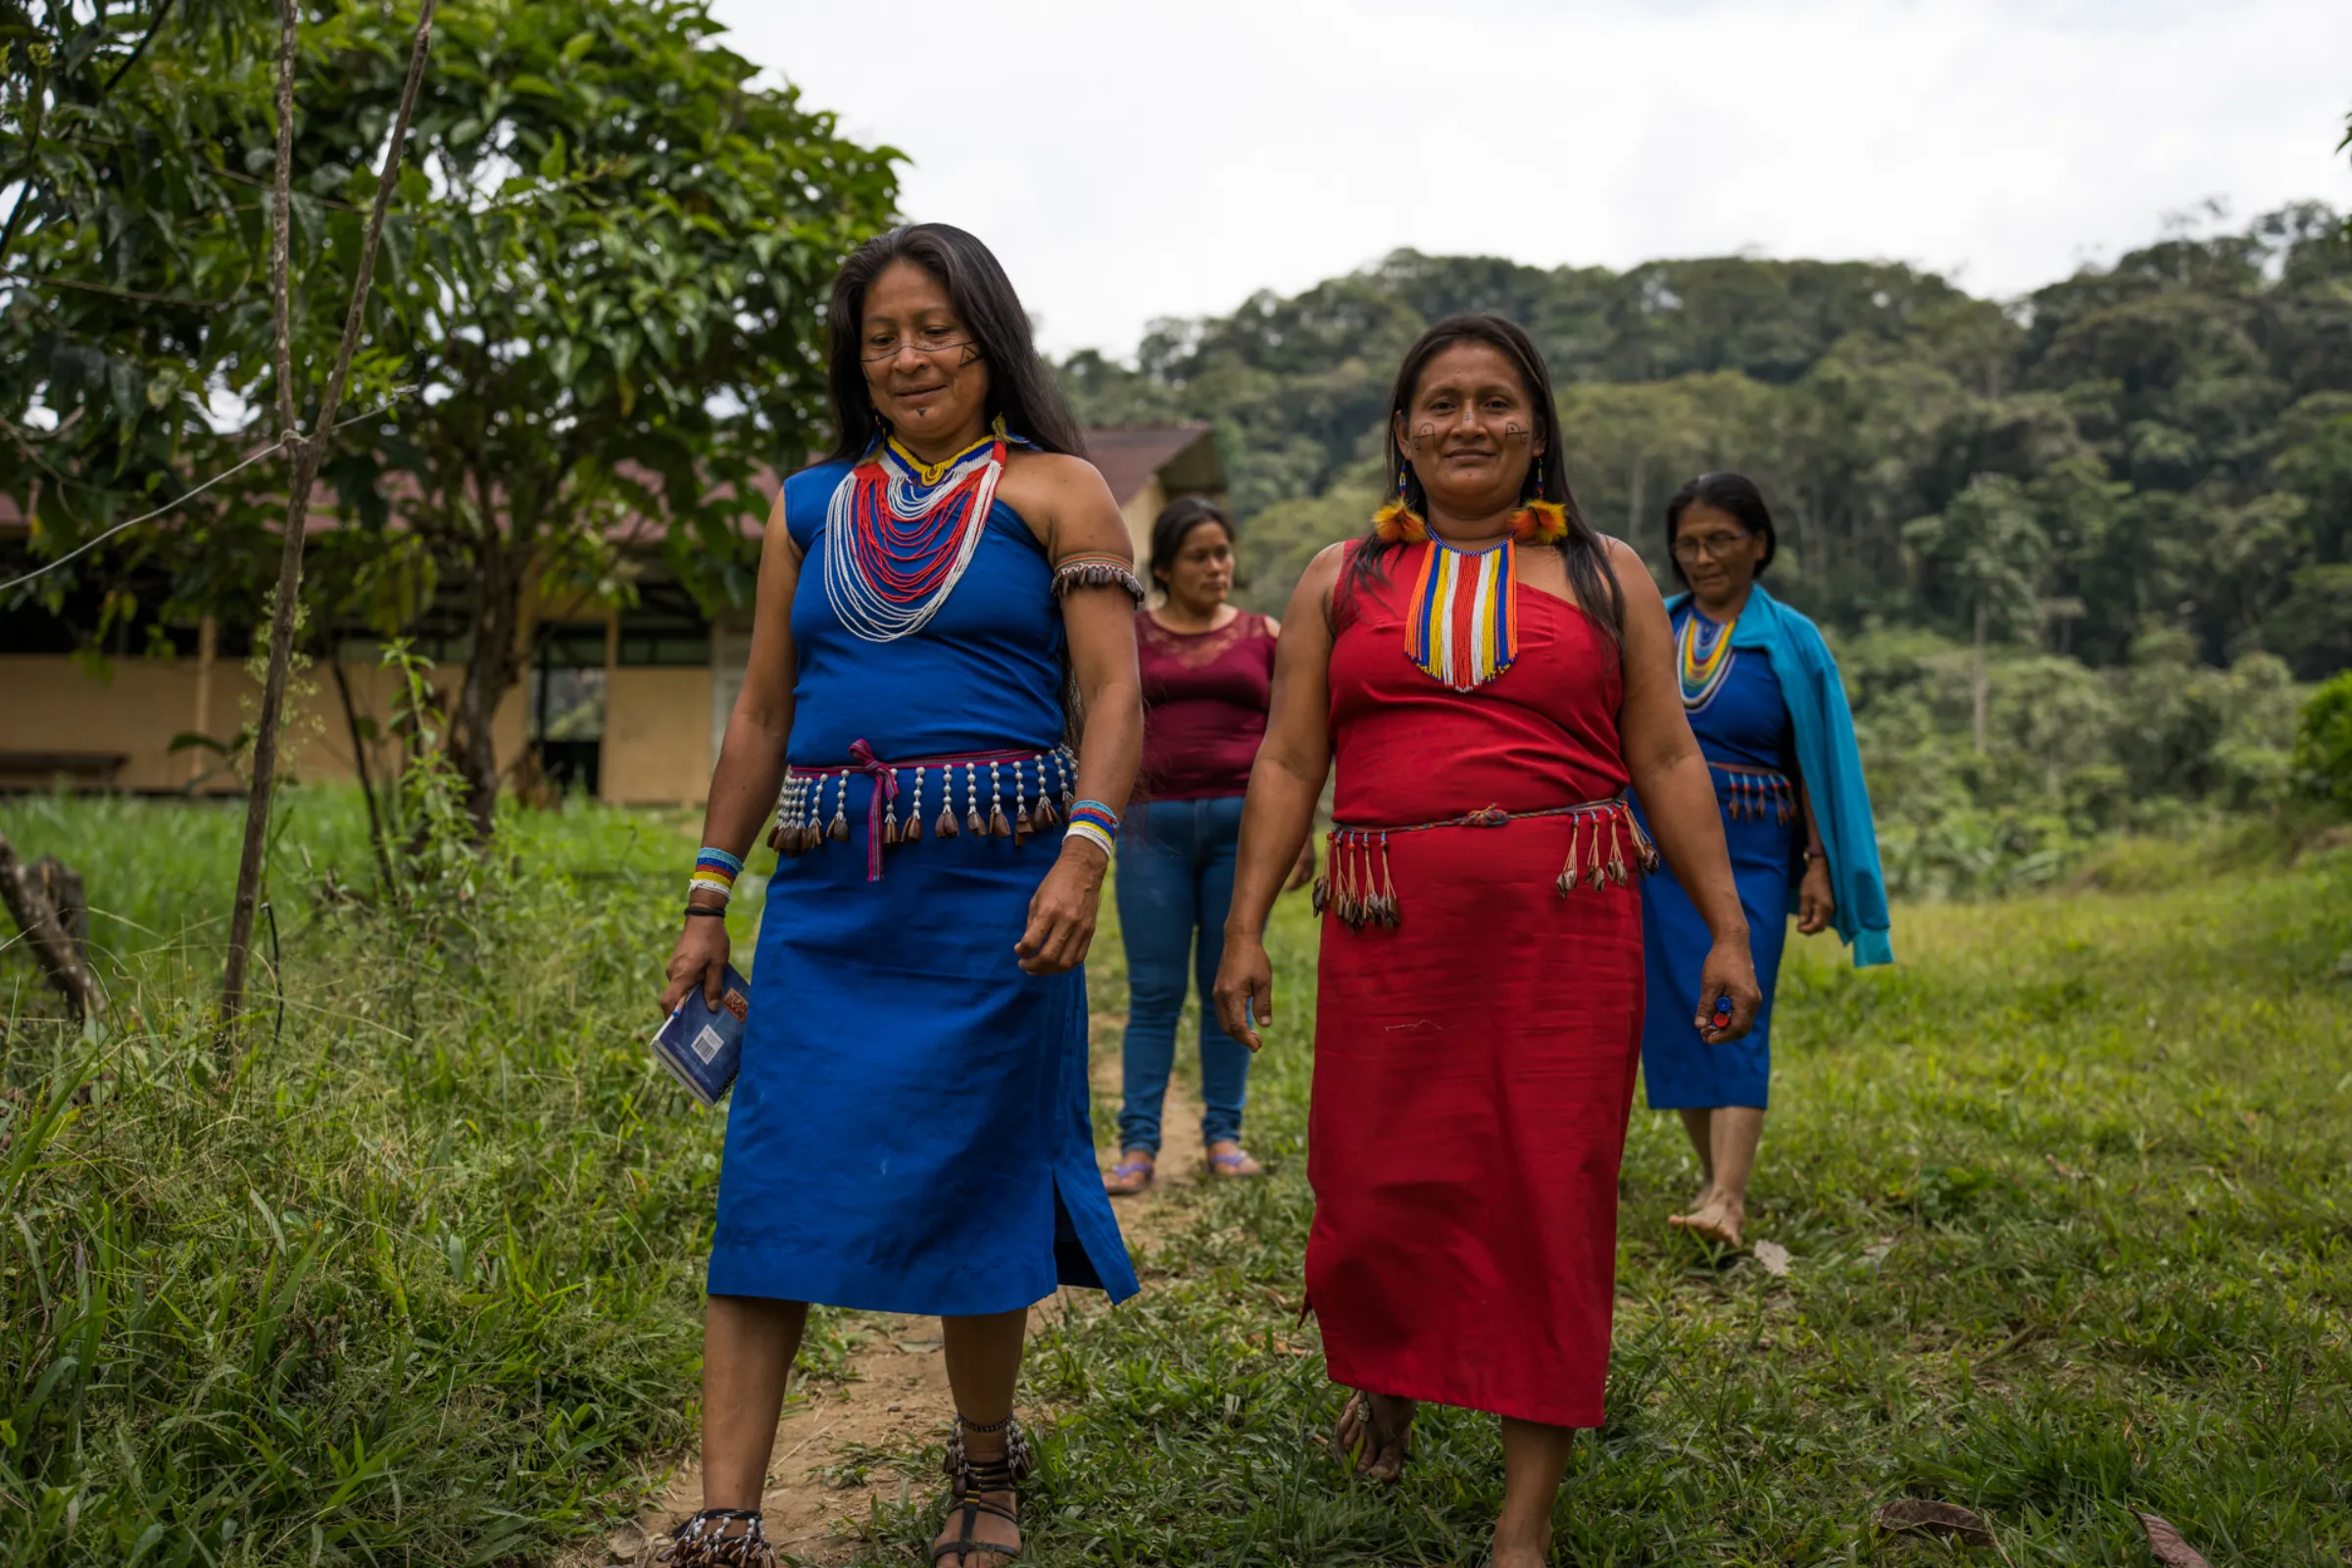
{"x":1750,"y":746}
{"x":910,"y":1131}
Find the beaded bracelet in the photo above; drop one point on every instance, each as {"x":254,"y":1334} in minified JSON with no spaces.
{"x":1096,"y":813}
{"x":1093,"y":834}
{"x":715,"y":871}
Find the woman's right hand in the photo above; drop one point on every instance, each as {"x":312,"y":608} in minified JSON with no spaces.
{"x":699,"y":959}
{"x":1245,"y":985}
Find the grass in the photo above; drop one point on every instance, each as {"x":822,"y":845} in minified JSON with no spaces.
{"x":414,"y":1282}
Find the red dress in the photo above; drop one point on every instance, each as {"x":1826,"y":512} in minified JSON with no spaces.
{"x":1474,"y":1061}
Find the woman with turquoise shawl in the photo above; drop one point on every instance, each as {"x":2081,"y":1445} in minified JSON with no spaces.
{"x":1769,"y":711}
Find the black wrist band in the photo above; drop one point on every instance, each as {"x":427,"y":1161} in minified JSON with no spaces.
{"x":720,"y":911}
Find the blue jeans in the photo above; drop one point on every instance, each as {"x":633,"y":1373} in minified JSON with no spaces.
{"x":1175,"y":879}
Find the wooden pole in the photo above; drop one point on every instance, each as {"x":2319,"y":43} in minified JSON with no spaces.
{"x":306,"y":450}
{"x":51,"y":946}
{"x":207,"y":647}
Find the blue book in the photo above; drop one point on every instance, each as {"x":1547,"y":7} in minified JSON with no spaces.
{"x":703,"y":1048}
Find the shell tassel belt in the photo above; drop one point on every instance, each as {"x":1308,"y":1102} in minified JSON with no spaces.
{"x":805,"y":823}
{"x":1605,"y":845}
{"x":1754,"y":793}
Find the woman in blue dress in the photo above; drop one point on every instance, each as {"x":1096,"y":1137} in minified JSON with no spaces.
{"x":909,"y":1129}
{"x":1769,"y":711}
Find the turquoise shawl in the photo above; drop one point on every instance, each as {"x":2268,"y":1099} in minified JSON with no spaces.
{"x":1830,"y":764}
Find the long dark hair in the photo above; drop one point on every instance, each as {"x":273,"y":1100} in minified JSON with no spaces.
{"x":1736,"y":497}
{"x":1175,"y":524}
{"x":1019,"y":386}
{"x":1597,"y":592}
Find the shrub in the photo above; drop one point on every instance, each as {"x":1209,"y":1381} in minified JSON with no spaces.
{"x":2324,"y":741}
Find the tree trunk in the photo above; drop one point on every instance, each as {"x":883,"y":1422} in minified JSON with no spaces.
{"x":265,"y":734}
{"x":1980,"y":681}
{"x":358,"y":762}
{"x":492,"y":667}
{"x":51,"y":945}
{"x":306,"y":451}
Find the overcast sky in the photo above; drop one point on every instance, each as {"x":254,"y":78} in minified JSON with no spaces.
{"x":1132,"y":160}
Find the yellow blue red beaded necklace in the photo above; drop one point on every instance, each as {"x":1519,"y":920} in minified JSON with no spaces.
{"x":1461,"y":624}
{"x":1703,"y":660}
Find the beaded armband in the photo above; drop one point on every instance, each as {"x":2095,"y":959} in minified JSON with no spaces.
{"x":715,"y":871}
{"x":1096,"y":572}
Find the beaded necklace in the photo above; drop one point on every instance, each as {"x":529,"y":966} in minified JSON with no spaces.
{"x":1462,"y":625}
{"x":900,"y":533}
{"x":1702,"y":659}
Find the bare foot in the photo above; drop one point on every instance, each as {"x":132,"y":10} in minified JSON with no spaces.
{"x":1131,"y":1175}
{"x":1716,"y":1219}
{"x":1520,"y":1554}
{"x":1382,"y":1427}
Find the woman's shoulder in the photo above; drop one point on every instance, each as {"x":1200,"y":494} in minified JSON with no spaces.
{"x":806,"y":495}
{"x":1052,"y":476}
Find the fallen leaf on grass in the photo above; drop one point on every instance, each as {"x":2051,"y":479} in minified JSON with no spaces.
{"x":627,"y":1543}
{"x":2166,"y":1546}
{"x":1924,"y":1513}
{"x":1773,"y":1257}
{"x":2067,"y":1171}
{"x":921,"y":1347}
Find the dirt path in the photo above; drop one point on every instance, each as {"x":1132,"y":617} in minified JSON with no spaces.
{"x":823,"y":1483}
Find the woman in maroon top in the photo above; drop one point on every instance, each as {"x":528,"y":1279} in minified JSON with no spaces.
{"x":1209,"y":671}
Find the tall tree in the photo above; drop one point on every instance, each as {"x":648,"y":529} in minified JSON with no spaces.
{"x":612,"y":305}
{"x":601,"y":298}
{"x":1986,"y":549}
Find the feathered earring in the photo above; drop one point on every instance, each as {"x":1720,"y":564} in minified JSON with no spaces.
{"x":1397,"y":522}
{"x":1538,"y":522}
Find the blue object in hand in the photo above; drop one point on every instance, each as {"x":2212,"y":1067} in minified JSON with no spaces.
{"x":1723,"y":1011}
{"x":703,"y":1047}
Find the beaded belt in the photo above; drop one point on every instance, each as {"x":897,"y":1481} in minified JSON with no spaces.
{"x":801,"y":824}
{"x":1359,"y":855}
{"x":1754,"y":792}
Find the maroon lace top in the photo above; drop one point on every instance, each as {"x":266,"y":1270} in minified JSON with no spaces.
{"x":1205,"y":706}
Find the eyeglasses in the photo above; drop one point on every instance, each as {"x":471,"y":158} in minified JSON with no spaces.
{"x":927,"y":350}
{"x":1690,"y":547}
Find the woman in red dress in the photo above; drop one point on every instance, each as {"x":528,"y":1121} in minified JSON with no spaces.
{"x":1490,"y":675}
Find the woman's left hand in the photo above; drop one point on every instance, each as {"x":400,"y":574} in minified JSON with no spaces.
{"x":1815,"y":902}
{"x":1062,"y":912}
{"x":1728,"y":972}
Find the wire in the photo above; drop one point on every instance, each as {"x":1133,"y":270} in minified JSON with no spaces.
{"x":87,"y":546}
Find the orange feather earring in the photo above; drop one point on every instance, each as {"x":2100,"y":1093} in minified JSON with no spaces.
{"x":1538,"y":522}
{"x":1397,"y":522}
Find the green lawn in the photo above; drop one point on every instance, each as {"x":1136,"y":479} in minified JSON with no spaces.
{"x":2067,"y":1196}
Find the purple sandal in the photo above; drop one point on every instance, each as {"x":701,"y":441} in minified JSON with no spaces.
{"x":1133,"y":1175}
{"x":1234,"y":1162}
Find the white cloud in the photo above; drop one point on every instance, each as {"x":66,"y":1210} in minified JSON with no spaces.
{"x":1127,"y":161}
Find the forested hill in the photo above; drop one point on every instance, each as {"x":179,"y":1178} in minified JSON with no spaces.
{"x":2162,"y":444}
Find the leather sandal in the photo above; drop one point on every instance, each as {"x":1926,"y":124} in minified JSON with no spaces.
{"x":971,"y":1477}
{"x":1133,"y":1175}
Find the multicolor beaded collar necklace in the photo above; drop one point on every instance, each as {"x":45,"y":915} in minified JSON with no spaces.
{"x":1462,"y":625}
{"x":900,"y":533}
{"x":1703,"y":659}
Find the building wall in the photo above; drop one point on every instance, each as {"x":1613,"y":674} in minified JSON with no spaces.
{"x":1143,"y":509}
{"x":134,"y":707}
{"x":656,"y":736}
